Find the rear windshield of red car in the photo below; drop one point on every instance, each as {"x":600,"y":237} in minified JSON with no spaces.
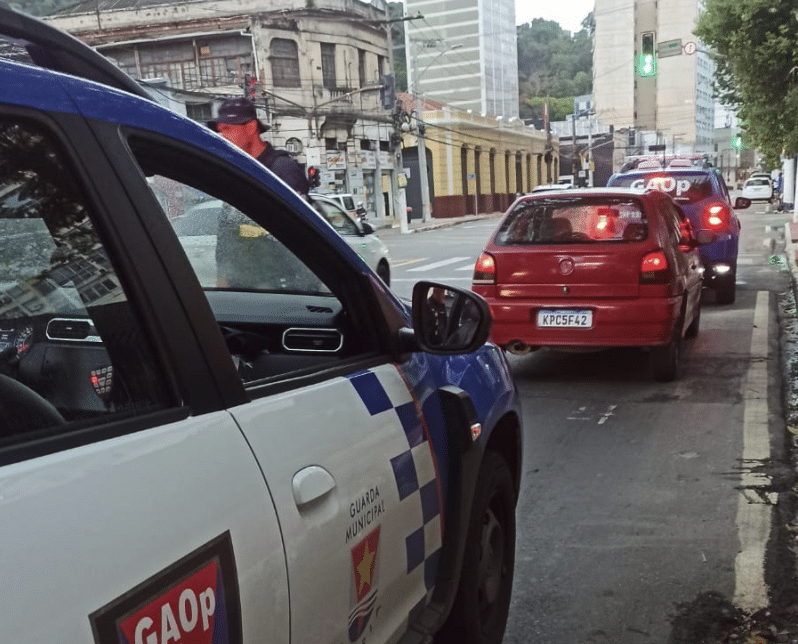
{"x":684,"y":187}
{"x":573,"y":221}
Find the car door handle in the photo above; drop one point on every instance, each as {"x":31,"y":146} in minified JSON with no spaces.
{"x":311,"y":483}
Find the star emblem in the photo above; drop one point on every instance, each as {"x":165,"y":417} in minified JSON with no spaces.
{"x":364,"y":568}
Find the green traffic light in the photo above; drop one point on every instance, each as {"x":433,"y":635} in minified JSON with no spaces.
{"x":737,"y":143}
{"x":647,"y":65}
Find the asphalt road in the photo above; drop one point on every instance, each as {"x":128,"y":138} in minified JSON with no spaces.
{"x":647,"y":512}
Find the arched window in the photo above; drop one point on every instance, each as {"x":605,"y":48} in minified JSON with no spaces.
{"x":284,"y":57}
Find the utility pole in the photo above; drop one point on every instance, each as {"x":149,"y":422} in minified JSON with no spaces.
{"x":422,"y":149}
{"x":398,"y":193}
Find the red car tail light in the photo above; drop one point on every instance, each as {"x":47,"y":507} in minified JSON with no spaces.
{"x":717,"y":217}
{"x":485,"y":270}
{"x":654,"y":269}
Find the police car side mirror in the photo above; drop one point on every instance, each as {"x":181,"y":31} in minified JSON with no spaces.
{"x":449,"y":320}
{"x":741,"y":203}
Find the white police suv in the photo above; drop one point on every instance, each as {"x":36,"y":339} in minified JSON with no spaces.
{"x":266,"y":448}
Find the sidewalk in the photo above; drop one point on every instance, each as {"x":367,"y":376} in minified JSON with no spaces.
{"x":417,"y":225}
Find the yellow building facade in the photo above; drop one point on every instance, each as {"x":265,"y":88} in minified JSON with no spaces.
{"x":480,"y":164}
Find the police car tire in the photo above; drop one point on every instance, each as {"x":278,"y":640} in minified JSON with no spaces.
{"x":725,"y":291}
{"x":479,"y":614}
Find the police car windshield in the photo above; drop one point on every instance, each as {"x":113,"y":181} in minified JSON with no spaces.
{"x":684,"y":187}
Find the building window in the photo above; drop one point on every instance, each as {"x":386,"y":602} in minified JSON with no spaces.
{"x":328,"y":65}
{"x":284,"y":57}
{"x":380,"y":66}
{"x":361,"y":67}
{"x":199,"y":111}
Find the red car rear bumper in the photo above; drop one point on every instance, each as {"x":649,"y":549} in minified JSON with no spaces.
{"x":615,"y":323}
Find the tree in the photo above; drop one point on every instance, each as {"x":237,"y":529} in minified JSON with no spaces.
{"x":755,"y":47}
{"x":553,"y":64}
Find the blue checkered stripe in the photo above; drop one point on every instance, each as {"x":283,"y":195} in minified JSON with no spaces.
{"x":416,"y":483}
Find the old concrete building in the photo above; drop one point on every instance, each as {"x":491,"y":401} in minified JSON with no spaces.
{"x":315,"y":70}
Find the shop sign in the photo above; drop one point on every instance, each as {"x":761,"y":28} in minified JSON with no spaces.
{"x":336,"y":160}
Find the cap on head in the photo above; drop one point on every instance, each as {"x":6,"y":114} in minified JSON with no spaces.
{"x":236,"y":111}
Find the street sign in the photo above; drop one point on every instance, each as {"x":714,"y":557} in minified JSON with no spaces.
{"x":690,"y":48}
{"x":660,"y":147}
{"x":669,"y":48}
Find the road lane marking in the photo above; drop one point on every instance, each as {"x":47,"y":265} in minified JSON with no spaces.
{"x":606,"y":415}
{"x":434,"y":265}
{"x":753,"y":519}
{"x":405,"y":262}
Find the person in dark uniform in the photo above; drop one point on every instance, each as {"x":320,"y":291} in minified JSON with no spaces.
{"x":238,"y":122}
{"x":247,"y":256}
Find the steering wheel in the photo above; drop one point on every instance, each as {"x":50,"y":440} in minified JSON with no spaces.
{"x":23,"y":409}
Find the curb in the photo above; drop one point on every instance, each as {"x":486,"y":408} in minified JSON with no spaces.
{"x":448,"y":222}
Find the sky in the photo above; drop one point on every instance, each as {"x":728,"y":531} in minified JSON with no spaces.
{"x":569,"y":13}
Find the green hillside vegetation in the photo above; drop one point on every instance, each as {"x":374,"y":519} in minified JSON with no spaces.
{"x":554,"y":66}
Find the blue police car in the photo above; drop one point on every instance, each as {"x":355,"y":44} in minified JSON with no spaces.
{"x":183,"y":457}
{"x":702,"y":194}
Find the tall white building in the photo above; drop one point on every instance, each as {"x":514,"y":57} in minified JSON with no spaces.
{"x":674,"y":107}
{"x":464,"y":53}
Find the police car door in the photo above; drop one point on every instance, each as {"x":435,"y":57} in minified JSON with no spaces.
{"x":339,"y":437}
{"x":126,"y":515}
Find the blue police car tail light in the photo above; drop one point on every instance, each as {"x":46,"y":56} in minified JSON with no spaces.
{"x":717,"y":217}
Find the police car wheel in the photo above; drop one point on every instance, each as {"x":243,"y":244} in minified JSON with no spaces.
{"x":479,"y":614}
{"x":725,"y":290}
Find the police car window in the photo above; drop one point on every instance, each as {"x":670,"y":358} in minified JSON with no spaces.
{"x":227,"y":248}
{"x":71,"y":350}
{"x":277,"y":316}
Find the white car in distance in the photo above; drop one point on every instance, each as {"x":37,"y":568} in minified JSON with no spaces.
{"x":198,"y":229}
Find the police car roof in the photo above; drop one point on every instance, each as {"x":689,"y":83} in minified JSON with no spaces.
{"x":580,"y":193}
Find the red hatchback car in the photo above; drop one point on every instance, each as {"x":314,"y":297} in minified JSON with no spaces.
{"x":594,"y":268}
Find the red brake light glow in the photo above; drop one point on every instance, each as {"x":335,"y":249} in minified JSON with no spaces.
{"x":655,"y":261}
{"x":485,"y":270}
{"x":654,"y":268}
{"x":717,"y":216}
{"x":602,"y":223}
